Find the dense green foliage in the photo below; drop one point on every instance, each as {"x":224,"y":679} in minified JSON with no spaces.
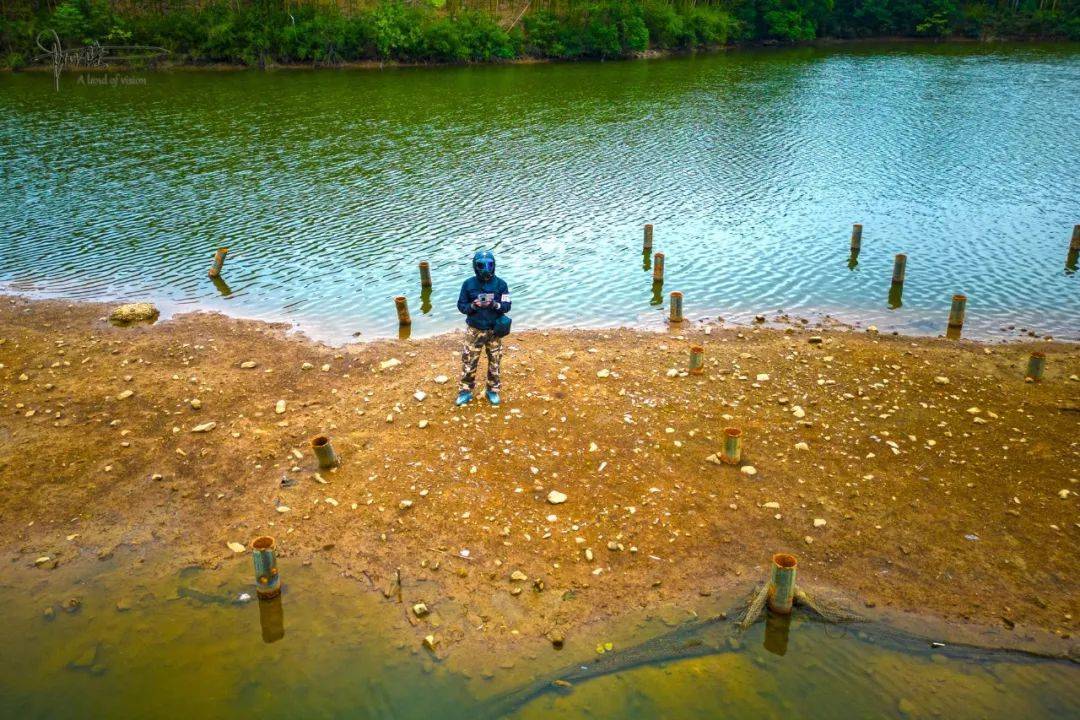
{"x":261,"y":31}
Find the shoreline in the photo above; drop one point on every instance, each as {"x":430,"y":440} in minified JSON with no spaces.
{"x":128,"y":472}
{"x":370,"y":64}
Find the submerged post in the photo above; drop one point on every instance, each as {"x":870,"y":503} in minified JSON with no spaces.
{"x":324,"y":452}
{"x":658,"y":267}
{"x":1074,"y":250}
{"x":272,"y":619}
{"x":956,"y":316}
{"x":267,"y":579}
{"x":1036,"y":365}
{"x":899,"y":267}
{"x":402,"y":310}
{"x":676,"y":307}
{"x":647,"y":247}
{"x":856,"y":238}
{"x":425,"y":274}
{"x":1075,"y":244}
{"x":219,"y":261}
{"x":697,"y":360}
{"x":731,"y":453}
{"x":782,"y":583}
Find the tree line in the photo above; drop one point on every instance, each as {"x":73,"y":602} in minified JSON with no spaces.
{"x":258,"y":32}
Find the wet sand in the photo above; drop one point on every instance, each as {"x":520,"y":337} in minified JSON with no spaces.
{"x":952,"y":501}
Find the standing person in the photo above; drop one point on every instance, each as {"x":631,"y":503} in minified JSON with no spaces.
{"x":484,"y":300}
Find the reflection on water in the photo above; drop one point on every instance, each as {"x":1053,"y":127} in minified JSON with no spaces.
{"x":328,"y":187}
{"x":137,"y":645}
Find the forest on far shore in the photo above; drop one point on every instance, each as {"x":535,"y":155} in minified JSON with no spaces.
{"x":260,"y":32}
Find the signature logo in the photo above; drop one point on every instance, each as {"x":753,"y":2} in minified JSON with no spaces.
{"x":93,"y":55}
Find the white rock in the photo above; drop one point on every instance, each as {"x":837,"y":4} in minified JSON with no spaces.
{"x":306,"y":366}
{"x":387,"y":364}
{"x":124,"y":395}
{"x":1063,"y":494}
{"x":235,"y":546}
{"x":797,"y":411}
{"x":819,"y":522}
{"x":518,"y":576}
{"x":941,"y":380}
{"x":283,"y":508}
{"x":748,"y":470}
{"x":556,"y":498}
{"x":672,"y":372}
{"x":762,"y":377}
{"x":248,"y":364}
{"x":196,"y":403}
{"x":801,"y":446}
{"x":603,"y":373}
{"x":205,"y":427}
{"x":441,"y":379}
{"x":422,"y":424}
{"x":405,"y":504}
{"x":331,"y":502}
{"x":279,"y":408}
{"x":772,"y":505}
{"x":325,"y":367}
{"x":419,"y":395}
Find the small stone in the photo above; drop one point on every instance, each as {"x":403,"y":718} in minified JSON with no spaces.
{"x":748,"y":470}
{"x":556,"y":498}
{"x":196,"y":404}
{"x":819,"y":522}
{"x":772,"y":505}
{"x":762,"y":377}
{"x":941,"y":380}
{"x":124,"y":395}
{"x":518,"y":576}
{"x":801,"y":446}
{"x":430,"y":641}
{"x":420,"y":609}
{"x":249,"y":365}
{"x":1063,"y":494}
{"x":283,"y":508}
{"x":43,"y":560}
{"x":603,"y":373}
{"x":279,"y":408}
{"x":797,"y":411}
{"x":48,"y":613}
{"x":387,"y":364}
{"x":306,"y":366}
{"x":236,"y":547}
{"x":815,"y":340}
{"x":419,"y":395}
{"x":422,"y":424}
{"x":205,"y":427}
{"x":808,"y":540}
{"x":325,"y":367}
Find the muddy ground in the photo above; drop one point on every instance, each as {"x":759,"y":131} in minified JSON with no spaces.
{"x":914,"y":475}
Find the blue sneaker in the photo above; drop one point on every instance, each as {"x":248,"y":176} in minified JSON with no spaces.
{"x":464,"y":398}
{"x":492,"y":397}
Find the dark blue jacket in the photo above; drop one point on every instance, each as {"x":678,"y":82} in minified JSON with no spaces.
{"x":483,"y":318}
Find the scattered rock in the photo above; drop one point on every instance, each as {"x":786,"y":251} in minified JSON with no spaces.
{"x":419,"y":395}
{"x":405,"y":504}
{"x":441,"y":379}
{"x":387,"y":364}
{"x":518,"y":576}
{"x":819,"y":522}
{"x":249,"y":365}
{"x":941,"y":380}
{"x":430,"y":641}
{"x":420,"y":610}
{"x":279,"y":408}
{"x":205,"y":427}
{"x":748,"y":470}
{"x":814,"y":340}
{"x":196,"y":404}
{"x":556,"y":498}
{"x":235,"y":546}
{"x":125,"y":394}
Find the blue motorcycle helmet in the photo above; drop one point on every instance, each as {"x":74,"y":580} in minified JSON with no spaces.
{"x":483,"y":264}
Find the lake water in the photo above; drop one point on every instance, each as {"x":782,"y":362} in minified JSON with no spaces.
{"x":330,"y":186}
{"x":147,"y":645}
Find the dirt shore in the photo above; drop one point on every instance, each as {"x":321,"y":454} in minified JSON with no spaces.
{"x":914,"y":475}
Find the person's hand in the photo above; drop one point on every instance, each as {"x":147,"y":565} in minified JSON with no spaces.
{"x":478,"y":303}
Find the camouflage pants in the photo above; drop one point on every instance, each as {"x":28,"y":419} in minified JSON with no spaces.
{"x":475,"y":341}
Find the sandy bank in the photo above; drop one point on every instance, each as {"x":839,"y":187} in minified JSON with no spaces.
{"x":958,"y":500}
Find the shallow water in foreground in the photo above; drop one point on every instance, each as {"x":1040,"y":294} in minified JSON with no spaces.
{"x":330,"y":186}
{"x":184,"y":647}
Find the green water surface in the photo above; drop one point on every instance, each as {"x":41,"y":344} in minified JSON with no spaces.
{"x":330,"y":186}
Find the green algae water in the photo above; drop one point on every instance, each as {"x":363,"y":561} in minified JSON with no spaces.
{"x":144,"y":645}
{"x":330,"y":186}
